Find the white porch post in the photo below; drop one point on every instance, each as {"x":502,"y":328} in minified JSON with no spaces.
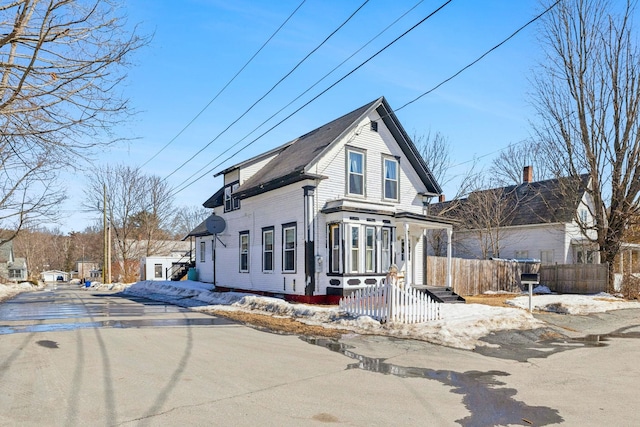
{"x":449,"y":233}
{"x":407,"y":258}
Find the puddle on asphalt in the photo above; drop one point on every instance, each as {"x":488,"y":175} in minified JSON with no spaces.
{"x":488,"y":404}
{"x":47,"y":344}
{"x":124,"y":324}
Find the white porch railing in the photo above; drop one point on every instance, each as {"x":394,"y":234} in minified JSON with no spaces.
{"x":389,"y":303}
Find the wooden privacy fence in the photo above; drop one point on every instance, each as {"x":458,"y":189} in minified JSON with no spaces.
{"x":477,"y":276}
{"x":387,"y":302}
{"x":575,"y":278}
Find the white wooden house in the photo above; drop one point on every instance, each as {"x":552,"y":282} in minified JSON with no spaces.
{"x":324,"y":214}
{"x":534,"y":220}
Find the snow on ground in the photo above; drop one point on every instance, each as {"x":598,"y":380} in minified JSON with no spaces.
{"x":573,"y":304}
{"x":461,"y":326}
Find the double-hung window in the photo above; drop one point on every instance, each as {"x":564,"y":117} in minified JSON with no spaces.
{"x":370,"y":250}
{"x":390,"y":170}
{"x":335,"y":243}
{"x":244,"y":251}
{"x":385,"y":244}
{"x":231,"y":202}
{"x":203,"y":251}
{"x":355,"y":172}
{"x":267,"y":249}
{"x":355,"y":249}
{"x":289,"y":248}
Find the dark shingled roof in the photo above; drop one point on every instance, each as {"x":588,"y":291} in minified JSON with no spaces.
{"x":200,"y":230}
{"x":288,"y":166}
{"x":540,"y":202}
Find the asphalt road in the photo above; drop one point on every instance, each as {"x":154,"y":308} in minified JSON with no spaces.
{"x":72,"y":357}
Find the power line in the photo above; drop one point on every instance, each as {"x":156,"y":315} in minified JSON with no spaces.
{"x":303,"y":93}
{"x":225,"y":86}
{"x":480,"y":57}
{"x":270,"y":90}
{"x":315,"y":97}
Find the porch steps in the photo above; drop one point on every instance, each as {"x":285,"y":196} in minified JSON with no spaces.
{"x":443,"y":294}
{"x":182,"y":270}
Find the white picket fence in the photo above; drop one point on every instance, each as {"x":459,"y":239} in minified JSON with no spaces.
{"x":387,"y":302}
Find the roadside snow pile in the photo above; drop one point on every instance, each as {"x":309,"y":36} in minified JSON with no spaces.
{"x":574,"y":304}
{"x":11,"y":290}
{"x":461,"y":327}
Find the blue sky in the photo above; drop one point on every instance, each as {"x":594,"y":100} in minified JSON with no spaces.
{"x":199,"y":45}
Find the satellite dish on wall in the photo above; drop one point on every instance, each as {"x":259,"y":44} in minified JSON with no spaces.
{"x":215,"y":224}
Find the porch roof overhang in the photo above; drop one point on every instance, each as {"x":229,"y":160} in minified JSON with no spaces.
{"x":401,"y":217}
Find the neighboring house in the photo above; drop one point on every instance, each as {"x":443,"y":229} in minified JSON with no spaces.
{"x":324,"y":214}
{"x":158,"y":267}
{"x":86,"y":269}
{"x":54,"y":276}
{"x":139,"y":250}
{"x":532,"y":220}
{"x":11,"y":268}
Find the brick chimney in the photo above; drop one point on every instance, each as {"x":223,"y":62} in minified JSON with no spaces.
{"x":527,"y":174}
{"x":441,"y":198}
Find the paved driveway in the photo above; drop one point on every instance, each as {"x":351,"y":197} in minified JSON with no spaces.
{"x":74,"y":357}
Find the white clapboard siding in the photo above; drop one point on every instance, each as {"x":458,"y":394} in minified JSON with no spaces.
{"x":390,"y":303}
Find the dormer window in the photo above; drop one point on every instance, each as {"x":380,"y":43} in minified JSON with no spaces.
{"x":355,"y":172}
{"x":231,"y":202}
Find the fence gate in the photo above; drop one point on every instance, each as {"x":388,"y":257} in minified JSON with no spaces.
{"x":387,"y":302}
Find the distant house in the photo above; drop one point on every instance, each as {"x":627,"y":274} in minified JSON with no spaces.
{"x":54,"y":276}
{"x":532,"y":220}
{"x":12,"y":269}
{"x":169,"y":256}
{"x":87,"y":269}
{"x":324,"y":214}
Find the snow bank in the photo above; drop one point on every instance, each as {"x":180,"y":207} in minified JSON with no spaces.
{"x":574,"y":304}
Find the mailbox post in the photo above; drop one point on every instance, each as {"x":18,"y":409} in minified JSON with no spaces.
{"x":530,"y":279}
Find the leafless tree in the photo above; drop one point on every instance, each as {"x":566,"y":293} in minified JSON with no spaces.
{"x":436,"y":152}
{"x":506,"y":169}
{"x":139,"y":209}
{"x":587,"y":97}
{"x":187,"y":218}
{"x":61,"y":63}
{"x":483,"y":215}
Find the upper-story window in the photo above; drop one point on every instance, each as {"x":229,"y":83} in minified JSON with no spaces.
{"x":355,"y":172}
{"x":390,"y":178}
{"x":231,"y":202}
{"x":583,"y":216}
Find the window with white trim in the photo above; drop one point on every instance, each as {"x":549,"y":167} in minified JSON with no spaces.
{"x":355,"y":249}
{"x":546,"y":257}
{"x":231,"y":202}
{"x":355,"y":172}
{"x":335,"y":244}
{"x":522,"y":254}
{"x":289,"y":248}
{"x":385,"y":244}
{"x":267,"y":249}
{"x":244,"y":252}
{"x":157,"y":271}
{"x":203,"y":250}
{"x":390,"y":171}
{"x":370,"y":250}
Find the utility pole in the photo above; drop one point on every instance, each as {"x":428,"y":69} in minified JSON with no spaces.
{"x":104,"y":237}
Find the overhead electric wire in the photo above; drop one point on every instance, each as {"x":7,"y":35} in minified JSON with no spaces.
{"x":225,"y":86}
{"x":302,"y":94}
{"x":480,"y":57}
{"x":270,"y":90}
{"x":317,"y":96}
